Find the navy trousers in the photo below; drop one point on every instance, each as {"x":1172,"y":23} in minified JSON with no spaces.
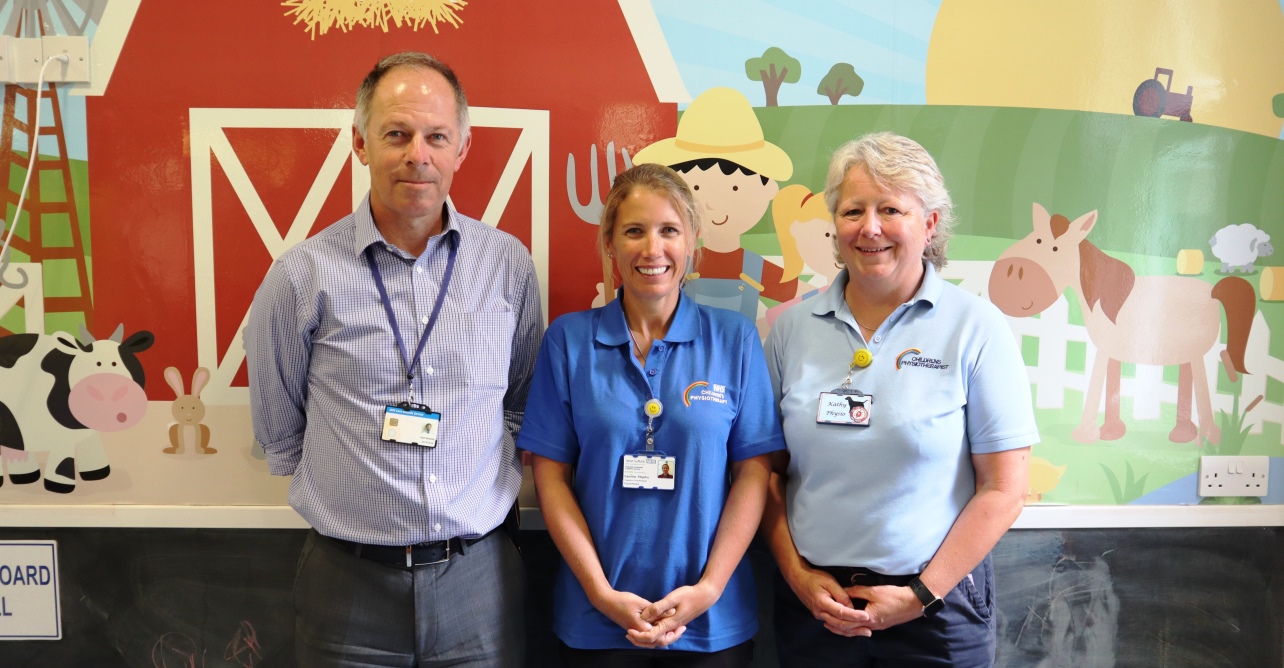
{"x":962,"y":635}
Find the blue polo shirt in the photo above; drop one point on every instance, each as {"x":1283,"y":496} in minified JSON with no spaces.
{"x":948,"y":382}
{"x":585,"y":407}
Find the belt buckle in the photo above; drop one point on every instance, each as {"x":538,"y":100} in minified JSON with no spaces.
{"x":443,"y":559}
{"x":410,"y":560}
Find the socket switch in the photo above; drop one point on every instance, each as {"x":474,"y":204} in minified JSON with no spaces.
{"x":76,"y":69}
{"x":1233,"y":475}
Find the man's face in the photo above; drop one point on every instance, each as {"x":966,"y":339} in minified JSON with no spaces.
{"x":730,"y":203}
{"x":412,"y":145}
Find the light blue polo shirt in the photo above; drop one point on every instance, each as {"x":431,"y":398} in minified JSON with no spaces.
{"x":585,"y":407}
{"x":948,"y":381}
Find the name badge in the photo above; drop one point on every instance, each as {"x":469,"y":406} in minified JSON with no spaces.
{"x":847,"y":408}
{"x":650,"y":471}
{"x":411,"y":424}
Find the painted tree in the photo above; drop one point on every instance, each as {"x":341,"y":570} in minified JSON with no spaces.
{"x":1277,"y":105}
{"x":772,"y":69}
{"x":841,"y":80}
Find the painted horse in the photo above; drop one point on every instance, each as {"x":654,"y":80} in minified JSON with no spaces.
{"x":1156,"y":320}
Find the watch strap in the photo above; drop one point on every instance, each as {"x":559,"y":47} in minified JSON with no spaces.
{"x":931,"y":603}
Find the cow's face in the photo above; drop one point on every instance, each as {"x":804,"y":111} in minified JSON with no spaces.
{"x":105,"y":381}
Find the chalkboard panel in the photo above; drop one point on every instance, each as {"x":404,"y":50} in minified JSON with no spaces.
{"x":1167,"y":598}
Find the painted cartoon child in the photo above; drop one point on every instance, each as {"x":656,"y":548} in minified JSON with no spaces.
{"x":734,"y":173}
{"x":806,"y":233}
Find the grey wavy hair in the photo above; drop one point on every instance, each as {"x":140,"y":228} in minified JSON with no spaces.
{"x":423,"y":61}
{"x":898,"y":164}
{"x":662,"y":181}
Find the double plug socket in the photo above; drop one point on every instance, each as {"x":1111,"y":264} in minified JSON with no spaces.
{"x":1233,"y":475}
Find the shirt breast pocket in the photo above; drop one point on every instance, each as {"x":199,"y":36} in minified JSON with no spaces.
{"x":486,"y":348}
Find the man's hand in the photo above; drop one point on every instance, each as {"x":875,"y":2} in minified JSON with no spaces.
{"x":828,"y":602}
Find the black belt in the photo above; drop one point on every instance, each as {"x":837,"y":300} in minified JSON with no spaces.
{"x":856,"y":575}
{"x":409,"y":556}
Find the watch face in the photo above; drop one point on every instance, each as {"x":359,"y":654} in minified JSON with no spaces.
{"x":934,"y":607}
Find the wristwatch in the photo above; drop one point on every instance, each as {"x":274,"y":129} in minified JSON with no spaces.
{"x":931,"y":603}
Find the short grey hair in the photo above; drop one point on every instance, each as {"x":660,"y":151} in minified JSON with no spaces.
{"x":898,"y":164}
{"x":423,"y":61}
{"x":656,"y":179}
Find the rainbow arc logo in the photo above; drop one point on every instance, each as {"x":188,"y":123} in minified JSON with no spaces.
{"x":907,"y":351}
{"x":686,"y":394}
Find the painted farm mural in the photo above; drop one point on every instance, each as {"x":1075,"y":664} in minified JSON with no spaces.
{"x":1121,"y":207}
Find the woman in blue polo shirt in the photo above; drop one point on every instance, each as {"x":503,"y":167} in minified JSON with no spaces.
{"x":637,"y":412}
{"x":906,"y":409}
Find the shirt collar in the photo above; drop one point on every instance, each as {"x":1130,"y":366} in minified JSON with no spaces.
{"x":831,"y":301}
{"x":613,"y":329}
{"x":367,"y":233}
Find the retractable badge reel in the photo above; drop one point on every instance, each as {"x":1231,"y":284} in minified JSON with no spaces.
{"x":846,"y":405}
{"x":650,"y":469}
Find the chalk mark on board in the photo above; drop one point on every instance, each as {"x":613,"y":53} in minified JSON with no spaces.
{"x":177,"y":650}
{"x":244,"y":646}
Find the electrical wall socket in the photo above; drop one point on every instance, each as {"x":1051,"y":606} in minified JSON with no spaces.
{"x":76,"y":69}
{"x":1233,"y":476}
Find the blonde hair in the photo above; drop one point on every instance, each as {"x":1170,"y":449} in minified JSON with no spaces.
{"x":792,"y":204}
{"x":898,"y":164}
{"x":653,"y":178}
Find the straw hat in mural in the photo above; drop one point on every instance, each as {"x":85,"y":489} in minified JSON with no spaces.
{"x":720,"y":124}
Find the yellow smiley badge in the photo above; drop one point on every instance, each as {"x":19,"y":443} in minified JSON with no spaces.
{"x":862,"y":358}
{"x":653,"y":408}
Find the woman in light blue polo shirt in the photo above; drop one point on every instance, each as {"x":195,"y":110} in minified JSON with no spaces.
{"x":638,"y":411}
{"x":906,"y":409}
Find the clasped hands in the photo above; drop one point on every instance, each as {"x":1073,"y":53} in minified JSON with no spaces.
{"x":652,"y":625}
{"x":831,"y":603}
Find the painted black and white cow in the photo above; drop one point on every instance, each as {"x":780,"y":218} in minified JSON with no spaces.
{"x":57,"y":393}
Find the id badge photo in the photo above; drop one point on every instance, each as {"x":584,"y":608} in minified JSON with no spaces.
{"x":411,"y":424}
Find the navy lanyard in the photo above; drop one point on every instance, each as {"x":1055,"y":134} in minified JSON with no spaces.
{"x":412,"y":364}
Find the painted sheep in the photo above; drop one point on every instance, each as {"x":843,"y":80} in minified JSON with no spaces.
{"x":1239,"y":246}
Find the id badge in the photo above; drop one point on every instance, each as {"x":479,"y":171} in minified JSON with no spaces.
{"x":655,"y":471}
{"x":411,"y":424}
{"x":846,"y":407}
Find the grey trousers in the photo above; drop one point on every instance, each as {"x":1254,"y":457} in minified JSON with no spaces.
{"x":467,"y":611}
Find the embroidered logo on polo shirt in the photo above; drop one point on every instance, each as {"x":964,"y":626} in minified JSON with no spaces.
{"x":914,"y":357}
{"x":702,"y":391}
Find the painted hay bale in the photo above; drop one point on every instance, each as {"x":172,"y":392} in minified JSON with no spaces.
{"x":1190,"y":262}
{"x":1272,"y":284}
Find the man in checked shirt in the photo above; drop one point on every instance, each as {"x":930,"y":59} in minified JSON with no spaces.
{"x":390,"y":357}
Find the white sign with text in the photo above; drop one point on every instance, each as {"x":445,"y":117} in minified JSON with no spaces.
{"x":29,"y":590}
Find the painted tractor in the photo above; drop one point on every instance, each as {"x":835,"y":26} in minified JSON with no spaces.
{"x":1155,"y":99}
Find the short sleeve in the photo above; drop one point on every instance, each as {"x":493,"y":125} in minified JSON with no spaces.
{"x":548,"y":428}
{"x":757,"y":427}
{"x":1000,"y":414}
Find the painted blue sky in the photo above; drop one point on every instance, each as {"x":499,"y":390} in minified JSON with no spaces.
{"x":886,"y":42}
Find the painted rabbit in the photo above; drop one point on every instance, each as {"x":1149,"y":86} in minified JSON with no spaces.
{"x":188,"y":410}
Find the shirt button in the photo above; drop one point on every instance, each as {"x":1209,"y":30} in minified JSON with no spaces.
{"x":419,"y":270}
{"x":432,"y":478}
{"x":436,"y":527}
{"x":650,"y":372}
{"x":424,"y":320}
{"x":660,"y":348}
{"x":878,"y":339}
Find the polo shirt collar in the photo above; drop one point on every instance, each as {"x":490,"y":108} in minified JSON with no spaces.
{"x":613,"y":329}
{"x":832,"y":301}
{"x":367,"y":234}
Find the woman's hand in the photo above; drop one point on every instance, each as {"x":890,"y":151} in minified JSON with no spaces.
{"x":625,"y":609}
{"x":828,"y":602}
{"x":887,"y":605}
{"x":670,"y":615}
